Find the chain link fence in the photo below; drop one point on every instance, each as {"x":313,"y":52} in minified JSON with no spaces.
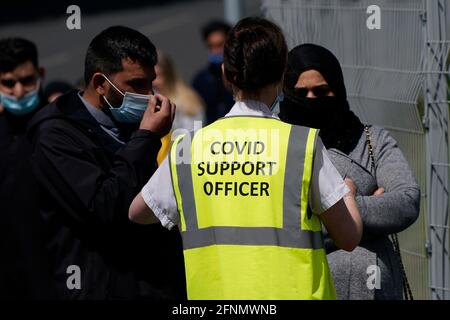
{"x":396,"y":77}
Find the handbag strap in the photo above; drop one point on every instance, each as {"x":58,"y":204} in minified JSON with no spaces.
{"x":370,"y":148}
{"x":407,"y":293}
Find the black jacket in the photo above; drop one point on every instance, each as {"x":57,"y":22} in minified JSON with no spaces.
{"x":24,"y":272}
{"x":87,"y":181}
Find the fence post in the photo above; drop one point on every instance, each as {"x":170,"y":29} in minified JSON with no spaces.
{"x":437,"y":118}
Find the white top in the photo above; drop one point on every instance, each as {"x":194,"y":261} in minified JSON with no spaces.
{"x":326,"y":187}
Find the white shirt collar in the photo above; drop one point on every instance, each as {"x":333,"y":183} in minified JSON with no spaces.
{"x":250,"y":108}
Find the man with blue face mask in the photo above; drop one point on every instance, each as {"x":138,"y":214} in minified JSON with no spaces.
{"x":20,"y":79}
{"x":21,"y":270}
{"x":93,"y":150}
{"x":208,"y":81}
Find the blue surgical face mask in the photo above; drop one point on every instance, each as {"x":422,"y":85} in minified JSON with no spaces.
{"x":132,"y":108}
{"x":275,"y":107}
{"x":215,"y":58}
{"x":22,"y":106}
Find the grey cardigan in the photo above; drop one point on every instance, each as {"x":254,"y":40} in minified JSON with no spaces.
{"x":391,"y":212}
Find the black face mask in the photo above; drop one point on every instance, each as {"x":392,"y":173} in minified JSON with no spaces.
{"x":319,"y":113}
{"x":339,"y":127}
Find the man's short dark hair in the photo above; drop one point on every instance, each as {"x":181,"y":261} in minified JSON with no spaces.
{"x":16,"y":51}
{"x":107,"y":50}
{"x":214,"y":26}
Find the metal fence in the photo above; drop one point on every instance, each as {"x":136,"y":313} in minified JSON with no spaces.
{"x":396,"y":77}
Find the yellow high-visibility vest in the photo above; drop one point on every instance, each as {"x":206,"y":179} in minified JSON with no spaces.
{"x":241,"y":186}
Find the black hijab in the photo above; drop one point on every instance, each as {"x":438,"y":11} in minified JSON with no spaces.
{"x":339,"y":127}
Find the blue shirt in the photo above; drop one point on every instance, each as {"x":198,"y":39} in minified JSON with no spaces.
{"x":104,"y":121}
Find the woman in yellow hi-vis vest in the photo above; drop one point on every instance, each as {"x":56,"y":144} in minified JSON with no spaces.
{"x":249,"y":192}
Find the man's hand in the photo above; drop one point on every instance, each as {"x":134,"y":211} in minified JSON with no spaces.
{"x":159,"y":115}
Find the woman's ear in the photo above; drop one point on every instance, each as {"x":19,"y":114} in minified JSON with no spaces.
{"x":227,"y":84}
{"x":225,"y":81}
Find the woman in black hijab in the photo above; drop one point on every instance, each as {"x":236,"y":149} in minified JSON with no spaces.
{"x":387,"y":194}
{"x":329,"y":111}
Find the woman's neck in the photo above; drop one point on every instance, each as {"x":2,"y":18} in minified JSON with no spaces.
{"x":265,"y":95}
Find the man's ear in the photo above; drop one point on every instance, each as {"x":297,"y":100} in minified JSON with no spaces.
{"x":99,"y":83}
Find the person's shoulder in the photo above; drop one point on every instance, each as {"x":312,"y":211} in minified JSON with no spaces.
{"x":47,"y":119}
{"x":60,"y":115}
{"x":203,"y":71}
{"x":53,"y":125}
{"x":375,"y":129}
{"x":203,"y":74}
{"x":52,"y":133}
{"x":379,"y":134}
{"x":382,"y":140}
{"x":49,"y":127}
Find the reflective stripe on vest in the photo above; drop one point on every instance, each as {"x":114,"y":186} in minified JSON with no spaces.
{"x":291,"y":235}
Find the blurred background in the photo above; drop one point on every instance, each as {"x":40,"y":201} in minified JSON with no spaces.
{"x":172,"y":25}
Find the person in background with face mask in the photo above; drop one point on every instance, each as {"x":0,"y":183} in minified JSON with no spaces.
{"x":20,"y":78}
{"x":23,"y":263}
{"x":208,"y":81}
{"x":93,"y":151}
{"x":387,"y":194}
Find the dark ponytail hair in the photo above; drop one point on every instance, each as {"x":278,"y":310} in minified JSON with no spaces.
{"x":255,"y":54}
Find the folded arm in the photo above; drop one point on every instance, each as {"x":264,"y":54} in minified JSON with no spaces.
{"x":398,"y":207}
